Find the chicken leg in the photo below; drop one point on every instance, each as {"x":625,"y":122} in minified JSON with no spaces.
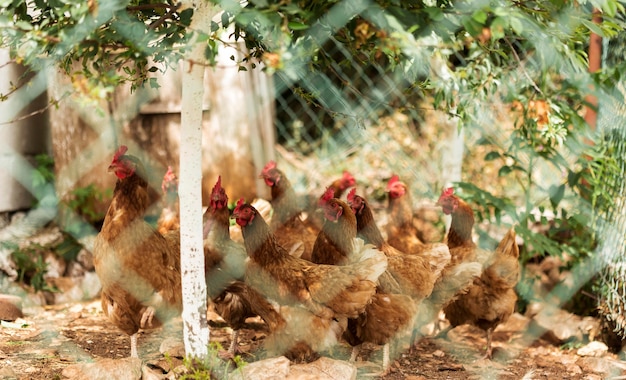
{"x":133,"y":346}
{"x":355,"y":353}
{"x":146,"y":317}
{"x":489,"y":353}
{"x":233,"y":349}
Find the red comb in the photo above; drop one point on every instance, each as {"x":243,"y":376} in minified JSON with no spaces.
{"x":394,"y":178}
{"x":120,"y":152}
{"x":447,"y":192}
{"x":269,"y":166}
{"x":218,"y":185}
{"x":168,"y":179}
{"x":169,"y":175}
{"x":240,"y":203}
{"x":328,"y":195}
{"x":351,"y":194}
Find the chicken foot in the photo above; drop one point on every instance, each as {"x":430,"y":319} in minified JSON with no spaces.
{"x":233,"y":349}
{"x":146,"y":317}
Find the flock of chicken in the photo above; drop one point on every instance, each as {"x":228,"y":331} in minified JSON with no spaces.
{"x":314,"y":280}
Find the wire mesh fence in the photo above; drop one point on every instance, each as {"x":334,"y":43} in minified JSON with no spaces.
{"x":338,"y":109}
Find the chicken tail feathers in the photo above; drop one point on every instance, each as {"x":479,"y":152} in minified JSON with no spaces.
{"x":438,"y":257}
{"x":505,"y":264}
{"x":508,"y":246}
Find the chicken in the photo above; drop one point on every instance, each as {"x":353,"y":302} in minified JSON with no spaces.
{"x":415,"y":274}
{"x":169,"y":220}
{"x":335,"y":241}
{"x":339,"y":186}
{"x":303,"y":335}
{"x":325,"y":290}
{"x":238,"y":302}
{"x":342,"y":184}
{"x":139,"y":268}
{"x":491,"y":299}
{"x":402,"y":231}
{"x":387,"y":319}
{"x":388,"y":315}
{"x":286,"y":223}
{"x":234,"y":300}
{"x":461,"y":226}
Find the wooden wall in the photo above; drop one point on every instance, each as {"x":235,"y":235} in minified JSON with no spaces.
{"x":238,"y":129}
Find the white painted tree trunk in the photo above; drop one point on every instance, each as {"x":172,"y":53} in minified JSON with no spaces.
{"x":195,"y":327}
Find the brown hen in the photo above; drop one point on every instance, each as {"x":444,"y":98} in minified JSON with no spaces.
{"x":234,"y":300}
{"x":138,"y":267}
{"x":491,"y":298}
{"x":286,"y":222}
{"x":326,"y":290}
{"x":388,"y":315}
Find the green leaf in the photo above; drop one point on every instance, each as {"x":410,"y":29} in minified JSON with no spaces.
{"x":473,"y":27}
{"x":504,"y":171}
{"x":593,"y":27}
{"x":492,"y":156}
{"x":480,"y":16}
{"x":225,"y":19}
{"x":24,"y":25}
{"x":185,"y":16}
{"x":434,"y":13}
{"x":297,"y":26}
{"x":498,"y":27}
{"x":556,"y":195}
{"x":154,"y":83}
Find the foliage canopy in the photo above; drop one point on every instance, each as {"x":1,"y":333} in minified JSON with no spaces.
{"x":460,"y":55}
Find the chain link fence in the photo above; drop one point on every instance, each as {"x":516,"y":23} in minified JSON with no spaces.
{"x":363,"y":115}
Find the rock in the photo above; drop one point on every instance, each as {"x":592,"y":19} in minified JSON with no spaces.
{"x":556,"y":325}
{"x":274,"y":368}
{"x":85,"y":258}
{"x":590,"y":327}
{"x":55,"y":265}
{"x":324,"y":369}
{"x":593,"y":349}
{"x":148,"y":373}
{"x":515,"y":323}
{"x":592,"y":377}
{"x":172,"y":347}
{"x":105,"y":369}
{"x":7,"y":373}
{"x":5,"y":219}
{"x":76,"y":289}
{"x":75,"y":269}
{"x":10,"y":307}
{"x":46,"y":237}
{"x":18,"y":217}
{"x":574,"y":369}
{"x":604,"y":366}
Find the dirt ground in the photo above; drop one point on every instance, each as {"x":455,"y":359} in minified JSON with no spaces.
{"x":47,"y":340}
